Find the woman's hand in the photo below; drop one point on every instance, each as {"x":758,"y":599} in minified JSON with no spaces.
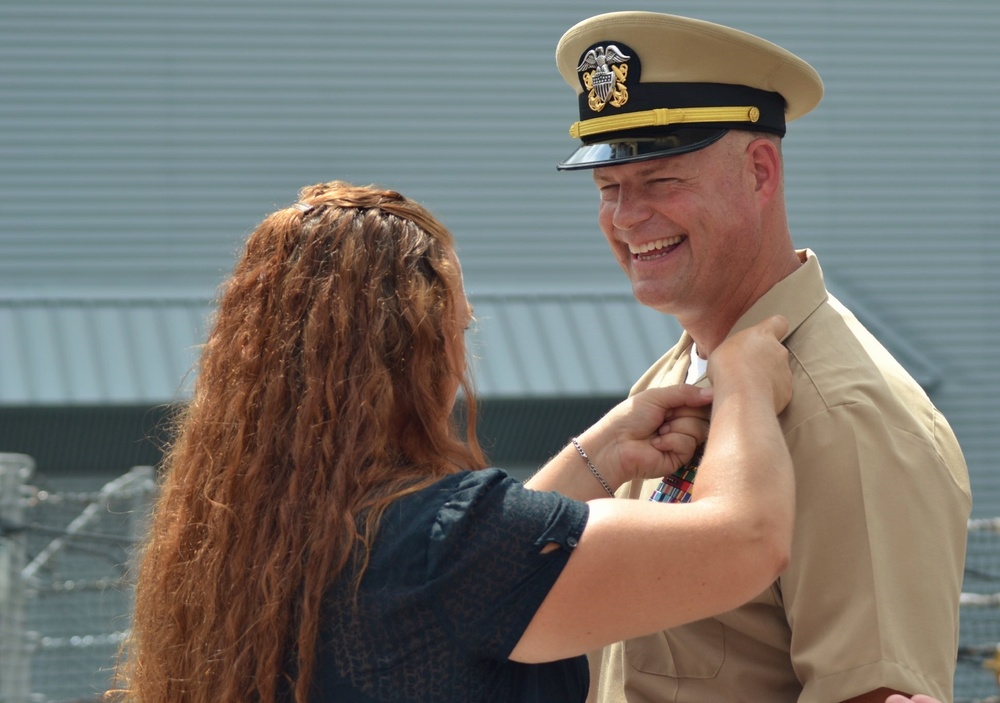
{"x":655,"y":432}
{"x":754,"y":361}
{"x":651,"y":434}
{"x":648,"y":435}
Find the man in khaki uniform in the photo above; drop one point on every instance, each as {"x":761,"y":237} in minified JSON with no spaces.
{"x":681,"y":123}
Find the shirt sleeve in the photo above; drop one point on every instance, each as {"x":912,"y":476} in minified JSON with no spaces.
{"x":486,"y":553}
{"x":872,"y":590}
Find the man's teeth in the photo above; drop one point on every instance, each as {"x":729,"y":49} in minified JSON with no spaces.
{"x":653,"y":246}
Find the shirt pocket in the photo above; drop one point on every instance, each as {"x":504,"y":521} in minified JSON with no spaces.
{"x":694,"y":651}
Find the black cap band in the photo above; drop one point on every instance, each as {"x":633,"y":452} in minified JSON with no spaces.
{"x":748,"y":108}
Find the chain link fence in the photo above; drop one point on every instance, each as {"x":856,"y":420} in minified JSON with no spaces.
{"x":976,"y":678}
{"x":64,"y":592}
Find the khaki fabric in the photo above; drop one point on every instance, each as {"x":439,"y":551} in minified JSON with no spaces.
{"x":870,"y":597}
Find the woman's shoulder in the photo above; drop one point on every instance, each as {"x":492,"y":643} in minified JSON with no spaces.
{"x":455,"y":489}
{"x":471,"y":511}
{"x":481,"y":493}
{"x":449,"y":500}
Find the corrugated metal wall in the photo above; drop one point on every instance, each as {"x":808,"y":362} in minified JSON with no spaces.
{"x":141,"y":140}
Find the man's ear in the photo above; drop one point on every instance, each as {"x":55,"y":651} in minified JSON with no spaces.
{"x":765,"y":162}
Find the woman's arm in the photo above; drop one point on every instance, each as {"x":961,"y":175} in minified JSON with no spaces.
{"x":641,"y":567}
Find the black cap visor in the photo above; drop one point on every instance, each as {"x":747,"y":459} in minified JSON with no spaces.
{"x":627,"y":150}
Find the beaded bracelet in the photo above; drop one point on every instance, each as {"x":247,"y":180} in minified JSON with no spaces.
{"x":593,"y":469}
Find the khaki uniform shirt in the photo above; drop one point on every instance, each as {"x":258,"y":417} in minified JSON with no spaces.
{"x":870,"y":597}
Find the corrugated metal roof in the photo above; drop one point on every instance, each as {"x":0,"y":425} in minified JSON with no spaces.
{"x":97,"y":351}
{"x":107,"y":351}
{"x":564,"y":345}
{"x":127,"y":352}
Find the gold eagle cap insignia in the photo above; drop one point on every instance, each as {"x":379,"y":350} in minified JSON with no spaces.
{"x":604,"y":70}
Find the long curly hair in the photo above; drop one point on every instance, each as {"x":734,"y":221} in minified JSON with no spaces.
{"x":324,"y":393}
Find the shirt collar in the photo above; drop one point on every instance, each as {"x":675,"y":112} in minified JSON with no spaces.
{"x":796,"y":296}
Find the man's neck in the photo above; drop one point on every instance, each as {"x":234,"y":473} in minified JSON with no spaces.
{"x":710,"y":327}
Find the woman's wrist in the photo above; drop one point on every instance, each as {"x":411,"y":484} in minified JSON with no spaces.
{"x":599,"y":446}
{"x":593,"y":469}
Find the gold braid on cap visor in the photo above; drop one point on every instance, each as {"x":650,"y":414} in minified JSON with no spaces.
{"x":662,"y":117}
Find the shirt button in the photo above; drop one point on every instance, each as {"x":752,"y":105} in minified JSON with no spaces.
{"x":571,"y":542}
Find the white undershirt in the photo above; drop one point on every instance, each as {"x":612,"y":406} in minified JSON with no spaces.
{"x":698,"y":366}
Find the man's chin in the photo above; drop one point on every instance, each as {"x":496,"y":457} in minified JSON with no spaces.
{"x":653,"y":297}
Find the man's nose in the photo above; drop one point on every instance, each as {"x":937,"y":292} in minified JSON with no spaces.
{"x":630,"y":210}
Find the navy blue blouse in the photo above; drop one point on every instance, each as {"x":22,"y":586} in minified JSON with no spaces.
{"x":455,"y":576}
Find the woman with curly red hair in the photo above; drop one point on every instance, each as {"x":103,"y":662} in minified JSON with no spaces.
{"x":324,"y":530}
